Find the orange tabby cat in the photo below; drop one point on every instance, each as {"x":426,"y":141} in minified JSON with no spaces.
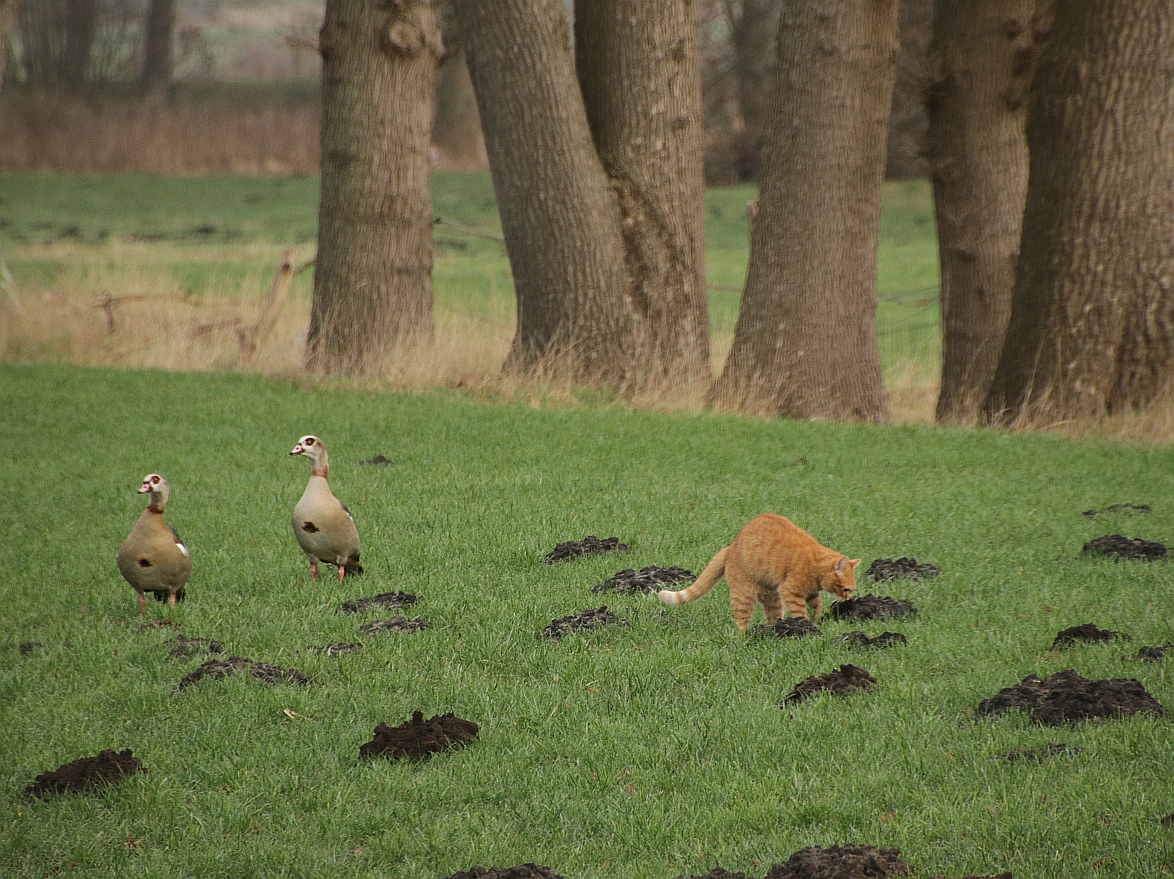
{"x":773,"y":561}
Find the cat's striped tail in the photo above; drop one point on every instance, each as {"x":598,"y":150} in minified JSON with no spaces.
{"x":708,"y":579}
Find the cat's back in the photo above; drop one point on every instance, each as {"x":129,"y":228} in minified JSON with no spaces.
{"x":770,"y":546}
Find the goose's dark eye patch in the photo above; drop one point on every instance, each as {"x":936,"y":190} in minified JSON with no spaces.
{"x":310,"y":528}
{"x":144,"y":563}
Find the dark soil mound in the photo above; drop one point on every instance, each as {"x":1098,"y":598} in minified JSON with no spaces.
{"x":518,"y":871}
{"x":186,"y":648}
{"x":1037,"y":754}
{"x":378,"y":459}
{"x":891,"y":569}
{"x":871,"y":607}
{"x":1066,"y":697}
{"x":382,"y":601}
{"x":1085,"y":632}
{"x":863,"y":640}
{"x":650,"y":579}
{"x":845,"y":680}
{"x":585,"y":620}
{"x":717,"y":873}
{"x":1127,"y":509}
{"x":262,"y":671}
{"x":789,"y":627}
{"x":418,"y":739}
{"x":27,"y":647}
{"x":336,"y":649}
{"x":589,"y":545}
{"x":841,"y":862}
{"x":1153,"y":654}
{"x":395,"y":624}
{"x":1168,"y":821}
{"x":86,"y":773}
{"x":1125,"y":548}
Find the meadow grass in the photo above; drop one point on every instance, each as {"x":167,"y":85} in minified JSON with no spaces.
{"x":655,"y":749}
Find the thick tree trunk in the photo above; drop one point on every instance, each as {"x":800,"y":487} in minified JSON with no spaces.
{"x":373,"y":272}
{"x":805,"y":344}
{"x":753,"y":26}
{"x":1092,"y":316}
{"x":559,"y":215}
{"x":985,"y":55}
{"x":157,"y":34}
{"x":9,"y":14}
{"x":641,"y":84}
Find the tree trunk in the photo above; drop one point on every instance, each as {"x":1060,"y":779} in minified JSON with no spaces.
{"x":1092,"y":316}
{"x":157,"y":34}
{"x":593,"y":302}
{"x":641,"y":83}
{"x":9,"y":13}
{"x":373,"y":272}
{"x":805,"y":345}
{"x":81,"y":25}
{"x":985,"y":55}
{"x":753,"y":25}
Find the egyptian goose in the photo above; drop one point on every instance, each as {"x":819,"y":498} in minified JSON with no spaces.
{"x":153,"y":558}
{"x":322,"y":524}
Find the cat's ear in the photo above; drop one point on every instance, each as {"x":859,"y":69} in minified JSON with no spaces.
{"x":855,"y":562}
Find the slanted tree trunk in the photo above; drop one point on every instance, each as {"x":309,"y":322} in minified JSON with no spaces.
{"x":157,"y":35}
{"x":1092,"y":315}
{"x":373,"y":272}
{"x":805,"y":344}
{"x":593,"y":255}
{"x":985,"y":54}
{"x":456,"y":129}
{"x":753,"y":26}
{"x":641,"y":86}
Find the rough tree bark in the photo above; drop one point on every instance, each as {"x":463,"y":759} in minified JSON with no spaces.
{"x":641,"y":86}
{"x":805,"y":344}
{"x":984,"y":54}
{"x":592,"y":256}
{"x":1092,"y":315}
{"x":157,"y":36}
{"x":373,"y":272}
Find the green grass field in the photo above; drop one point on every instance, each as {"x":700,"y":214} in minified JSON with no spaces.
{"x":657,"y":749}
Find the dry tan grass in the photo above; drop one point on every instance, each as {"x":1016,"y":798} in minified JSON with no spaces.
{"x":138,"y":318}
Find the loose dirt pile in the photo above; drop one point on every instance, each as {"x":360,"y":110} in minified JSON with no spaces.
{"x":650,"y":579}
{"x":1118,"y":509}
{"x":264,"y":672}
{"x":589,"y":545}
{"x":870,"y":607}
{"x":892,"y":569}
{"x":382,"y":601}
{"x":418,"y":739}
{"x":1068,"y":698}
{"x":395,"y":624}
{"x":789,"y":627}
{"x":1118,"y":546}
{"x":519,"y":871}
{"x":1086,"y":633}
{"x":841,"y":862}
{"x":583,"y":621}
{"x":863,"y":641}
{"x":86,"y":773}
{"x":844,"y":681}
{"x":1153,"y":654}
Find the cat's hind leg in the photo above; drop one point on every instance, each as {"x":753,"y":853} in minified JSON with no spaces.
{"x":771,"y":602}
{"x":815,"y":603}
{"x":796,"y":605}
{"x":743,"y":595}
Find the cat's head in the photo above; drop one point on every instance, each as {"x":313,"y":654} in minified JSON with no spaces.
{"x":844,"y":577}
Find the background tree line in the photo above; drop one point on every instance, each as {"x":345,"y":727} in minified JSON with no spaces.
{"x":1046,"y":134}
